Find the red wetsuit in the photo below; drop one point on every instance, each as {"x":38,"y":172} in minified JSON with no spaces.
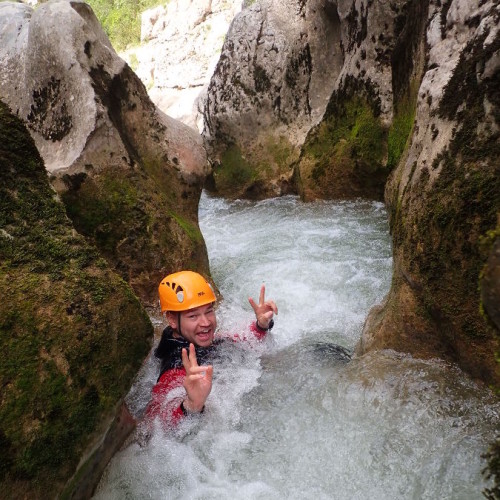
{"x":168,"y":392}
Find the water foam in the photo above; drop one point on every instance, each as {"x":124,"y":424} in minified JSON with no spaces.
{"x":289,"y":417}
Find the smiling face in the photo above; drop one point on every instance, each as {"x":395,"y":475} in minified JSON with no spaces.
{"x":196,"y":325}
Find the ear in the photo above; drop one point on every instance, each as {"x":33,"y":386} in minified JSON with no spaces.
{"x":172,"y":319}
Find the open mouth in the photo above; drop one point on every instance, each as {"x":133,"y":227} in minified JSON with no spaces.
{"x":204,"y":335}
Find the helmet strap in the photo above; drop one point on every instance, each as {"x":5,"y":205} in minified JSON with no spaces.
{"x":179,"y":323}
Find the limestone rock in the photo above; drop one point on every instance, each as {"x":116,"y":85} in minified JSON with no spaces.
{"x":490,"y":284}
{"x":72,"y":334}
{"x":180,"y":46}
{"x":277,"y":70}
{"x":129,"y":175}
{"x":444,"y":196}
{"x":346,"y":155}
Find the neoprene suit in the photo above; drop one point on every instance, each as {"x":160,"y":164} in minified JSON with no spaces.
{"x":168,"y":392}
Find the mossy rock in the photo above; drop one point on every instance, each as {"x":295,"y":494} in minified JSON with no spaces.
{"x":345,"y":156}
{"x":72,"y":333}
{"x":138,"y":220}
{"x":447,"y":210}
{"x":255,"y":171}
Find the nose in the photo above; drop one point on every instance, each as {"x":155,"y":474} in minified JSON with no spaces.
{"x":204,"y":320}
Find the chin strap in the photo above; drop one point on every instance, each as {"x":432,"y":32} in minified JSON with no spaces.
{"x":179,"y":323}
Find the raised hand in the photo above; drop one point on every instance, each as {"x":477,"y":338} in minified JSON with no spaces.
{"x":264,"y":310}
{"x":198,"y":381}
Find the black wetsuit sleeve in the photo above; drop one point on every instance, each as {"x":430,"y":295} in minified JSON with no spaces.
{"x":163,"y":347}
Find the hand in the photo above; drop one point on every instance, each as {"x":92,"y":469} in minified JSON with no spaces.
{"x":264,"y":310}
{"x":198,"y":381}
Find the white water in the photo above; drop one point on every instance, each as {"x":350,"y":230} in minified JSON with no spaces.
{"x":288,"y":419}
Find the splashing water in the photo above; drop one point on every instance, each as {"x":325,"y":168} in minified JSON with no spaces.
{"x":290,"y":417}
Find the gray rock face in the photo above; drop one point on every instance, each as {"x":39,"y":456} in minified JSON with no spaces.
{"x":277,"y":70}
{"x":346,"y":155}
{"x":52,"y":59}
{"x":281,"y":66}
{"x":130,"y":176}
{"x":444,"y":197}
{"x":180,"y":46}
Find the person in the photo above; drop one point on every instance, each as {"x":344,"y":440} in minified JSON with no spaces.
{"x":188,"y":343}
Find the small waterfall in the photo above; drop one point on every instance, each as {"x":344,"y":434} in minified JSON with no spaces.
{"x":292,"y":417}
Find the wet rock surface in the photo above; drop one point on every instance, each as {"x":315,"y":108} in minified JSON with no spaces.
{"x":72,"y":332}
{"x":129,"y":175}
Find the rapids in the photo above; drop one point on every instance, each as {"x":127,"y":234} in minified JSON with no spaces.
{"x":291,"y":417}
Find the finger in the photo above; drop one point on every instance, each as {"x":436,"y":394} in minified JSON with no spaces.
{"x":209,"y":373}
{"x":193,"y":377}
{"x":199,"y":369}
{"x":262,"y":297}
{"x":272,"y":305}
{"x":185,"y":360}
{"x":192,"y":355}
{"x":268,"y":315}
{"x":253,"y":304}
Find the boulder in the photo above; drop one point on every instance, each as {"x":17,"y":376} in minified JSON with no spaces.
{"x":130,"y":176}
{"x":347,"y":154}
{"x":72,"y":335}
{"x":277,"y":70}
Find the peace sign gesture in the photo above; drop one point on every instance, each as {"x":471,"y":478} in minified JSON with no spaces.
{"x":198,"y":381}
{"x":264,"y":310}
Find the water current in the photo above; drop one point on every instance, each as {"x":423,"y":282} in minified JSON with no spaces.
{"x":291,"y":417}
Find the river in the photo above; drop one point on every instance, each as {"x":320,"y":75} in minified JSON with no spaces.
{"x":292,"y":417}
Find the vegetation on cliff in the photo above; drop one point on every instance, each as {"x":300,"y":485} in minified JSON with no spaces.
{"x":121,"y":19}
{"x":72,"y":333}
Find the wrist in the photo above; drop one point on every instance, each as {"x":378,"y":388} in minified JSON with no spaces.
{"x":188,"y":406}
{"x":268,"y":327}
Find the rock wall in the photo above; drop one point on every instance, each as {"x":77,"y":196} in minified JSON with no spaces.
{"x":444,"y":200}
{"x":350,"y":153}
{"x":302,"y":98}
{"x":129,"y":175}
{"x":278,"y":67}
{"x":180,"y":46}
{"x":72,"y":335}
{"x":410,"y":97}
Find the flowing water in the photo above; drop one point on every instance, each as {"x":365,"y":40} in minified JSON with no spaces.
{"x":291,"y":417}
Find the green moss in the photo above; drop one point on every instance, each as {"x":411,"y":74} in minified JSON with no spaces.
{"x":192,"y":230}
{"x":400,"y":130}
{"x":281,"y":153}
{"x":72,"y":333}
{"x":234,"y":170}
{"x":103,"y":208}
{"x":252,"y":170}
{"x":346,"y":151}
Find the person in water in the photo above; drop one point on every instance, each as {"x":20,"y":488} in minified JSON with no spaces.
{"x":185,"y":381}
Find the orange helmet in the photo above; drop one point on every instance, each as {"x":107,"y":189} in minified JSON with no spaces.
{"x":184,"y":290}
